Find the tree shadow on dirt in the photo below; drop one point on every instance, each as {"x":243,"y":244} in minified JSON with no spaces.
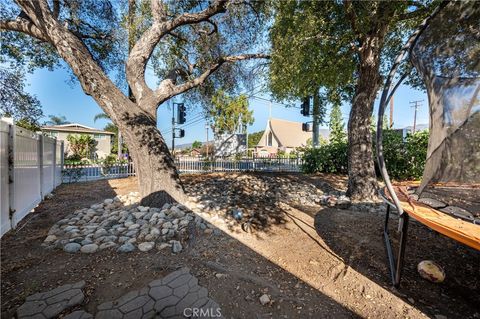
{"x":357,"y":236}
{"x":252,"y":202}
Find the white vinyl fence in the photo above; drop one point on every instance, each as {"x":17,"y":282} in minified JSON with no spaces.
{"x":88,"y":172}
{"x":30,"y":168}
{"x":73,"y":173}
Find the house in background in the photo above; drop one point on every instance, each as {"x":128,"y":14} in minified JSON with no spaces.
{"x":409,"y":129}
{"x":284,"y":136}
{"x":103,"y":138}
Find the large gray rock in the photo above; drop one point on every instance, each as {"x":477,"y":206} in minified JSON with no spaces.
{"x":146,"y":246}
{"x":72,"y":247}
{"x":126,"y":248}
{"x":89,"y":249}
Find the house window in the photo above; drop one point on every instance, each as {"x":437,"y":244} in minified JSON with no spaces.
{"x":98,"y":136}
{"x":269,"y":139}
{"x":52,"y":134}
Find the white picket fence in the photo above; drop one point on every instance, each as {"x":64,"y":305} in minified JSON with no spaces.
{"x":30,"y":168}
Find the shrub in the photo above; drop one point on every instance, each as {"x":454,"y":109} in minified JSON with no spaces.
{"x":82,"y":145}
{"x":405,"y":159}
{"x":327,"y":158}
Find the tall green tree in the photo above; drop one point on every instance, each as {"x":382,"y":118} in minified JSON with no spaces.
{"x":57,"y":120}
{"x":254,"y":138}
{"x":343,"y":47}
{"x":16,"y":102}
{"x":196,"y":144}
{"x":230,"y":114}
{"x":336,"y":125}
{"x":189,"y":44}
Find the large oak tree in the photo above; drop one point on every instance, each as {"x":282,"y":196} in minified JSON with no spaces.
{"x":188,"y":43}
{"x":343,"y":47}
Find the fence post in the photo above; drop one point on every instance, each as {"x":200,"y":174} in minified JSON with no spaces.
{"x":11,"y":172}
{"x":40,"y":163}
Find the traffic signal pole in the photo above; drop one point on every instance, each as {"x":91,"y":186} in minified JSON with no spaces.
{"x":316,"y":120}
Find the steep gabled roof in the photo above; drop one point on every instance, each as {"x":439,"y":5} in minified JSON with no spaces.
{"x":75,"y":128}
{"x":290,"y":134}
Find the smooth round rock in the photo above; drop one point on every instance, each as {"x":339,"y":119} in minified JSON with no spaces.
{"x":89,"y":249}
{"x":431,"y":271}
{"x":126,"y":248}
{"x":72,"y":247}
{"x":146,"y":246}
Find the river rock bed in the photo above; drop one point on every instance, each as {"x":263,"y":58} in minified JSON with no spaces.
{"x":121,"y":223}
{"x":236,"y":198}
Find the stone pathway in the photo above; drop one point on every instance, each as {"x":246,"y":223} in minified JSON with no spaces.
{"x":177,"y":295}
{"x":49,"y":304}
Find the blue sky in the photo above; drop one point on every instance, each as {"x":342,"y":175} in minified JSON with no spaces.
{"x":59,"y":97}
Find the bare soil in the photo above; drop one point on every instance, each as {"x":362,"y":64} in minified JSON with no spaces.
{"x":320,"y":263}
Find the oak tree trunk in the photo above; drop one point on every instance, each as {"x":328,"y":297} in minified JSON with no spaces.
{"x":158,"y":180}
{"x":362,"y":182}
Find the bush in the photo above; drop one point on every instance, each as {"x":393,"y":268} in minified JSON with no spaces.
{"x":405,"y":159}
{"x":326,"y":158}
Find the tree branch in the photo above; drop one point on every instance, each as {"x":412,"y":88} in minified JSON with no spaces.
{"x":56,"y":8}
{"x":168,"y":89}
{"x":413,"y":14}
{"x":143,"y":49}
{"x":24,"y":26}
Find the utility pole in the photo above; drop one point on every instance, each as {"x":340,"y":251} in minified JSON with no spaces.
{"x":415,"y":105}
{"x":206,"y":133}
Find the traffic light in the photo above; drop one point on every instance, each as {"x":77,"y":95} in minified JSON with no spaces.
{"x":181,"y":113}
{"x":182,"y":133}
{"x":306,"y":106}
{"x":305,"y":127}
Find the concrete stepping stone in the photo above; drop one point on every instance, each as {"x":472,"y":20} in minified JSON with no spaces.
{"x":49,"y":304}
{"x":177,"y":295}
{"x":79,"y":314}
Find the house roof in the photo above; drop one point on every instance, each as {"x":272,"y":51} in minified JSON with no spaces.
{"x":290,"y":134}
{"x":75,"y":128}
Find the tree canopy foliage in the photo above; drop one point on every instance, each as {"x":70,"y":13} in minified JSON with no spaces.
{"x":230,"y":114}
{"x":254,"y":138}
{"x":15,"y":102}
{"x":317,"y":43}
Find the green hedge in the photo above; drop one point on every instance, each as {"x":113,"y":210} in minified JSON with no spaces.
{"x":405,"y":159}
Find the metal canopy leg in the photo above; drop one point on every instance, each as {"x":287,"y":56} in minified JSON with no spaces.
{"x":396,"y":266}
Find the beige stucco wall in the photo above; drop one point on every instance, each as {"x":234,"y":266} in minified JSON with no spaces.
{"x":103,"y":148}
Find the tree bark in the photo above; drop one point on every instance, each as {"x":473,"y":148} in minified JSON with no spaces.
{"x":158,"y":179}
{"x":362,"y":181}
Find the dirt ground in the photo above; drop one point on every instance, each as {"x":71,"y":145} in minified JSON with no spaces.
{"x":321,"y":263}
